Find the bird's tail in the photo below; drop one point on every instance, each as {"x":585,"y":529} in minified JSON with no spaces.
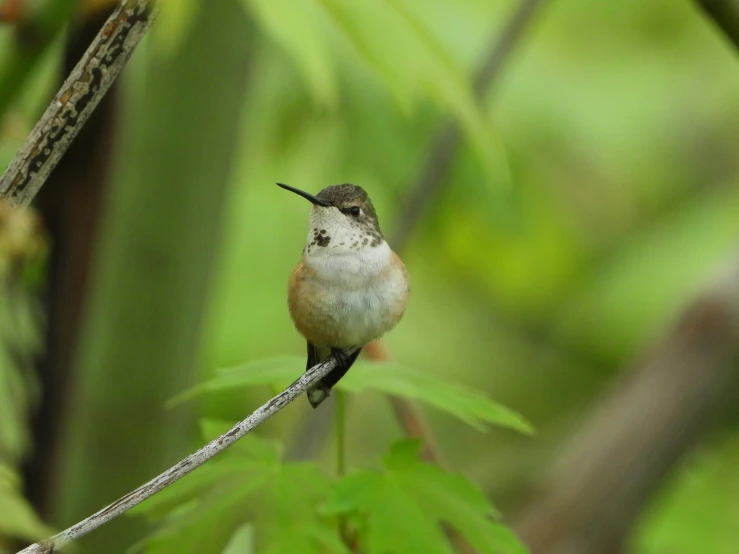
{"x":321,"y":390}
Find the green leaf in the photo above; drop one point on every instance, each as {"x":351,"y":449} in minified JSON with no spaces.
{"x":19,"y":341}
{"x":412,"y":62}
{"x":468,"y":405}
{"x":393,"y":378}
{"x":299,"y":26}
{"x":401,"y":509}
{"x":241,"y":542}
{"x":18,"y":518}
{"x":207,"y":510}
{"x":175,"y":21}
{"x":271,"y":371}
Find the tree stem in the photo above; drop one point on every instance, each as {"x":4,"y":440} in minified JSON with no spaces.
{"x":340,"y":433}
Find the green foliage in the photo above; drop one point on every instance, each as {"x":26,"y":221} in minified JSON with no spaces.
{"x":625,"y":198}
{"x":698,"y":510}
{"x":248,"y":483}
{"x":397,"y":45}
{"x":21,"y":250}
{"x":393,"y":378}
{"x":18,"y":518}
{"x":174,"y":23}
{"x":247,"y":498}
{"x":242,"y":541}
{"x":401,"y":507}
{"x":301,"y":28}
{"x":19,"y":58}
{"x":466,"y":404}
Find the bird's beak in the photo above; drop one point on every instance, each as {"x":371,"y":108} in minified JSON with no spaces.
{"x":304,"y":194}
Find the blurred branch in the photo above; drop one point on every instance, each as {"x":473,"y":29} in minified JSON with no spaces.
{"x":407,"y":413}
{"x":445,"y":145}
{"x":640,"y":430}
{"x":429,"y":184}
{"x":78,"y":97}
{"x":649,"y":420}
{"x":194,"y":460}
{"x":725,"y":14}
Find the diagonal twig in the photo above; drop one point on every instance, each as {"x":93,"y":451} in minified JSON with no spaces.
{"x":194,"y":460}
{"x":76,"y":100}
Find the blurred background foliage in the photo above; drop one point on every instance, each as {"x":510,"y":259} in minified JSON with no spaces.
{"x":595,"y":190}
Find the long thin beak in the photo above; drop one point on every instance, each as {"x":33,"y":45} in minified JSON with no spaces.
{"x":304,"y":194}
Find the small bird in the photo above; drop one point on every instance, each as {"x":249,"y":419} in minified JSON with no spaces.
{"x":350,"y":288}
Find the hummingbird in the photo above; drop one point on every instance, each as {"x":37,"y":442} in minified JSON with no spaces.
{"x":349,"y":288}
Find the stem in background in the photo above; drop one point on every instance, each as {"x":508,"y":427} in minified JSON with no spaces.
{"x":340,"y":433}
{"x":435,"y":169}
{"x":409,"y":415}
{"x":75,"y":101}
{"x":198,"y":458}
{"x":340,"y":429}
{"x":428,"y":186}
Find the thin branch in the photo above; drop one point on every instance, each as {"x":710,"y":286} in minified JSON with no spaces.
{"x":75,"y":101}
{"x":198,"y":458}
{"x":438,"y":163}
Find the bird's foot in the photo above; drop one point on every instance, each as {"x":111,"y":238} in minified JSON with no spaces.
{"x":341,"y":357}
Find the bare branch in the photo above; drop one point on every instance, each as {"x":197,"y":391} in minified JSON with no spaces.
{"x":198,"y":458}
{"x":75,"y":101}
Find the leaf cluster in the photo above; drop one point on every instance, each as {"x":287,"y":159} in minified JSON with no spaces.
{"x":248,"y":500}
{"x":249,"y":495}
{"x":466,"y":404}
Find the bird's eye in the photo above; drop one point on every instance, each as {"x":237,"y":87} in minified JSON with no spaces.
{"x":354,"y":210}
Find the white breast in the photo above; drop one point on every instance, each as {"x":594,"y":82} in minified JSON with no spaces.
{"x":361,"y":291}
{"x":350,"y":268}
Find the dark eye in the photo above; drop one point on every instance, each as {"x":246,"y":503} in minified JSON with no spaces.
{"x":354,"y":210}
